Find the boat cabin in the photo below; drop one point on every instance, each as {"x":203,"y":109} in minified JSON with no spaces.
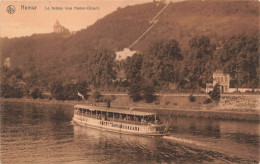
{"x":118,"y":115}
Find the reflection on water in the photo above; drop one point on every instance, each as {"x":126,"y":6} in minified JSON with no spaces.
{"x":240,"y":132}
{"x":40,"y":133}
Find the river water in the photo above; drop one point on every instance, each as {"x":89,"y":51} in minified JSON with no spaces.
{"x":44,"y":133}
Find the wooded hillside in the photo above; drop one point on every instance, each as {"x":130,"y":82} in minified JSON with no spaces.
{"x":50,"y":57}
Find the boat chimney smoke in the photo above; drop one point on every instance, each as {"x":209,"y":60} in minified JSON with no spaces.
{"x":108,"y":103}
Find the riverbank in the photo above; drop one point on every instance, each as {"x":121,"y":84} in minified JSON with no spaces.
{"x":230,"y":108}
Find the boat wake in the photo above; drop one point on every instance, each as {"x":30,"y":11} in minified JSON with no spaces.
{"x":186,"y":141}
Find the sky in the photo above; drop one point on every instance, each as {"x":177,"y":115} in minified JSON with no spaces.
{"x":41,"y":20}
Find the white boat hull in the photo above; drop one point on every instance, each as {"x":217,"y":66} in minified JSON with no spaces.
{"x":119,"y":127}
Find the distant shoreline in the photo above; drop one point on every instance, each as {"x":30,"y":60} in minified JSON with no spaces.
{"x":42,"y":101}
{"x":184,"y":112}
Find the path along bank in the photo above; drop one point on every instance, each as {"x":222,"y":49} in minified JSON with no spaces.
{"x":244,"y":108}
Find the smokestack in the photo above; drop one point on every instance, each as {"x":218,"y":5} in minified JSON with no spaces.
{"x":108,"y":103}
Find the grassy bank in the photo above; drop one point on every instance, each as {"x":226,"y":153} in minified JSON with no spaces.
{"x":230,"y":108}
{"x":225,"y":115}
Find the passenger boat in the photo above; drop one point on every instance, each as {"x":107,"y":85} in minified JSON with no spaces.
{"x":119,"y":120}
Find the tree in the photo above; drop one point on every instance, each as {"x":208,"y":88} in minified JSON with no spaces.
{"x":148,"y":93}
{"x":215,"y":94}
{"x":134,"y":91}
{"x":198,"y":65}
{"x":240,"y":59}
{"x":36,"y":93}
{"x":83,"y":88}
{"x":18,"y":73}
{"x":8,"y":91}
{"x":57,"y":90}
{"x":99,"y":68}
{"x":133,"y":68}
{"x":161,"y":63}
{"x":69,"y":91}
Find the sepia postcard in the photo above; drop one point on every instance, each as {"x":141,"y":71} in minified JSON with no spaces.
{"x":129,"y":81}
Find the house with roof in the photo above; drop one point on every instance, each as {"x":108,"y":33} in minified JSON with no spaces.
{"x":224,"y":82}
{"x":122,"y":55}
{"x":58,"y":28}
{"x":222,"y":79}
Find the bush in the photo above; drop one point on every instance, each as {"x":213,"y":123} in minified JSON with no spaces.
{"x":215,"y":94}
{"x":19,"y":93}
{"x":57,"y":90}
{"x":236,"y":91}
{"x":157,"y":102}
{"x":149,"y":91}
{"x":192,"y":98}
{"x":36,"y":93}
{"x":134,"y":92}
{"x":248,"y":91}
{"x":207,"y":101}
{"x":69,"y":91}
{"x":8,"y":91}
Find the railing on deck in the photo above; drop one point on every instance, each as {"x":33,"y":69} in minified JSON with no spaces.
{"x":105,"y":118}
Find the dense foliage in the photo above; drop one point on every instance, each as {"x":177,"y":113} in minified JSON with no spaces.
{"x":199,"y":63}
{"x":240,"y":59}
{"x":134,"y":92}
{"x":69,"y":91}
{"x":53,"y":56}
{"x":163,"y":67}
{"x":36,"y":93}
{"x":148,"y":93}
{"x":160,"y":65}
{"x":98,"y":68}
{"x":8,"y":91}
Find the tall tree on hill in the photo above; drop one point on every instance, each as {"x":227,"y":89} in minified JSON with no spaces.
{"x":99,"y":68}
{"x":133,"y":68}
{"x":240,"y":58}
{"x":148,"y":92}
{"x":160,"y":65}
{"x":198,"y":64}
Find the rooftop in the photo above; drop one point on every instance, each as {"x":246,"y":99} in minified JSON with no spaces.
{"x":114,"y":110}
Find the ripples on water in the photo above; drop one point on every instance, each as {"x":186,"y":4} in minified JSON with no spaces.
{"x":40,"y":133}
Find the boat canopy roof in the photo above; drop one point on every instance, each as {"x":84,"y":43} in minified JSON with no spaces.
{"x":114,"y":110}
